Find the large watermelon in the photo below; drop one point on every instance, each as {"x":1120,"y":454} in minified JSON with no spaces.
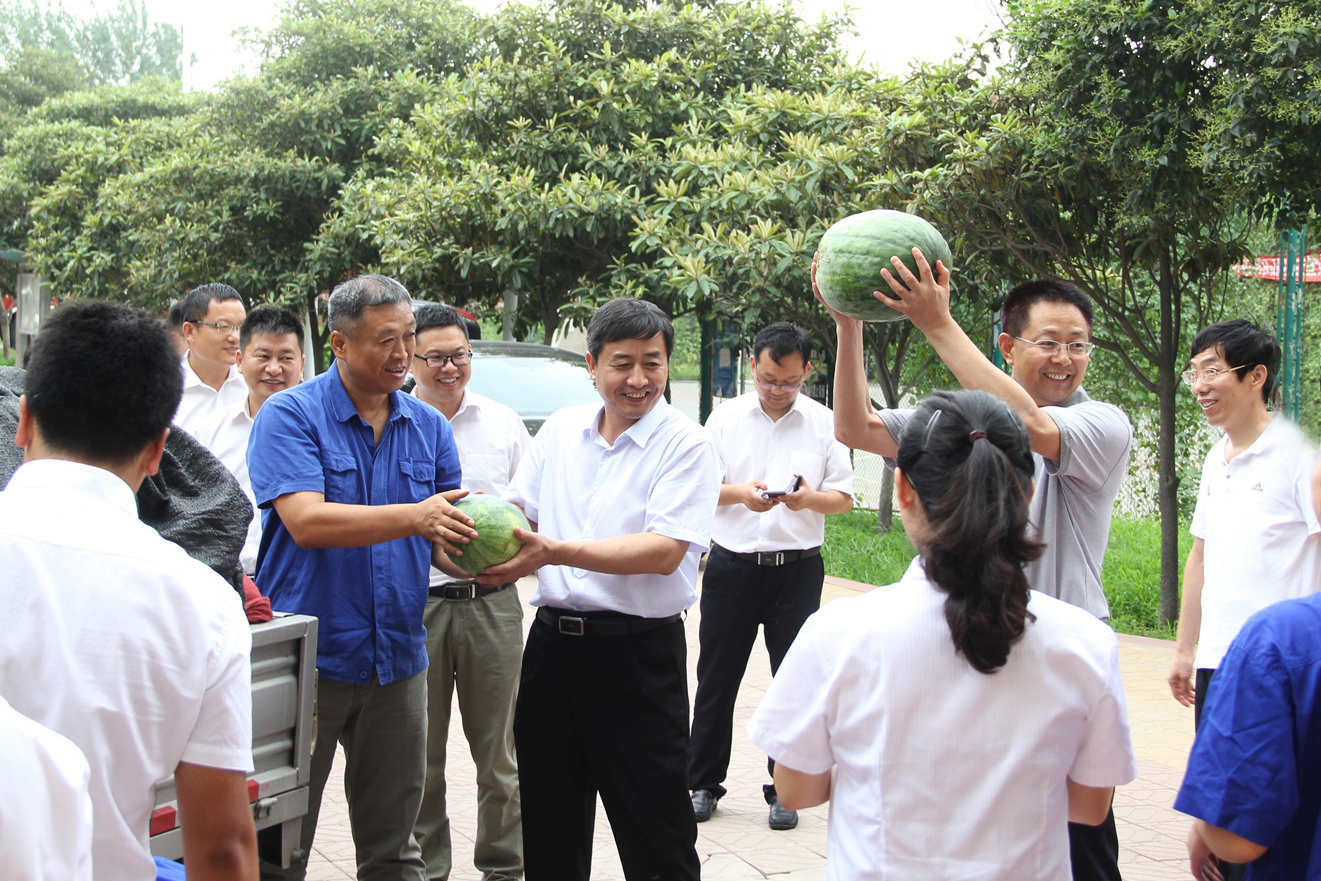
{"x":853,"y":252}
{"x":495,"y":521}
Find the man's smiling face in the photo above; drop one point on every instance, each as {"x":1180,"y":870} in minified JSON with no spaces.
{"x":1050,"y":378}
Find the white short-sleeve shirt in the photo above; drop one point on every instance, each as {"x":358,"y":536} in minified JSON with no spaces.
{"x":121,"y":642}
{"x":1255,"y":515}
{"x":201,"y":402}
{"x":752,"y":446}
{"x":226,"y":435}
{"x":659,"y":476}
{"x":942,"y":772}
{"x":491,"y":439}
{"x":45,"y":808}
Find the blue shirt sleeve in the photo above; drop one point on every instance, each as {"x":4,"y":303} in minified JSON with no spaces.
{"x":284,"y":452}
{"x":1242,"y":772}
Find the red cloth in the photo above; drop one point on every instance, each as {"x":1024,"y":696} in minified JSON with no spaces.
{"x":257,"y":606}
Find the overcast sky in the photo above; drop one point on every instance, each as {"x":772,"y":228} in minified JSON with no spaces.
{"x":890,"y":32}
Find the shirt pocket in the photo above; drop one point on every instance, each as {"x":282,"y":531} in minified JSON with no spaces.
{"x":420,"y":478}
{"x":811,"y":466}
{"x":486,"y":473}
{"x":343,"y":482}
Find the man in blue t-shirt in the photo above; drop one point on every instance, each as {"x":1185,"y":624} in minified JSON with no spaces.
{"x":356,"y":479}
{"x":1254,"y":775}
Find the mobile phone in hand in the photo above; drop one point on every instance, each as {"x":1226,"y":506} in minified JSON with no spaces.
{"x":793,"y":487}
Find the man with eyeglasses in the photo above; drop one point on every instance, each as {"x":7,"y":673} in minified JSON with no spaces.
{"x":782,"y":472}
{"x":474,"y":632}
{"x":1255,"y":529}
{"x":1081,"y":446}
{"x":270,"y":360}
{"x":212,"y":315}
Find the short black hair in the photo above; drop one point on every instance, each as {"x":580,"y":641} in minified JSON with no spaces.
{"x":272,"y":320}
{"x":433,"y":315}
{"x":1243,"y":345}
{"x":627,"y":318}
{"x":174,"y":317}
{"x":103,"y":380}
{"x":354,"y":296}
{"x":197,"y":301}
{"x":1019,"y":302}
{"x":783,"y":338}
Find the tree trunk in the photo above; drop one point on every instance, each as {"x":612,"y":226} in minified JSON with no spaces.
{"x":885,"y":505}
{"x":1169,"y":478}
{"x":314,"y":332}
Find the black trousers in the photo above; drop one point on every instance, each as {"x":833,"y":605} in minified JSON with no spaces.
{"x":738,"y":596}
{"x":605,"y":714}
{"x":1202,"y":685}
{"x":1094,"y":850}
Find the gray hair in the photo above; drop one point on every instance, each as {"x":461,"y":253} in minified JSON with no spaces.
{"x":351,"y":298}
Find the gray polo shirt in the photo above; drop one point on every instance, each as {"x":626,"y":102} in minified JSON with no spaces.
{"x":1074,"y":497}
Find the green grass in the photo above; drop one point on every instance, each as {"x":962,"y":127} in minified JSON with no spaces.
{"x":1131,"y":571}
{"x":853,"y":549}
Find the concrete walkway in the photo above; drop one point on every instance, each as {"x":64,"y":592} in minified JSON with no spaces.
{"x":737,"y":845}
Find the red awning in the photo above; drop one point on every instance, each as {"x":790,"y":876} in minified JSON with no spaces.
{"x":1267,"y":266}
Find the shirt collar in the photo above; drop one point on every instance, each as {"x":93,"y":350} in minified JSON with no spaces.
{"x":87,"y":480}
{"x":1266,"y":441}
{"x":192,"y":380}
{"x":640,"y":431}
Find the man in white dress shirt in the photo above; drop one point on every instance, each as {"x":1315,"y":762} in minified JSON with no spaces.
{"x":212,"y":315}
{"x":622,"y":495}
{"x":765,"y":566}
{"x":45,"y":807}
{"x":270,"y":360}
{"x":474,"y":631}
{"x":115,"y":637}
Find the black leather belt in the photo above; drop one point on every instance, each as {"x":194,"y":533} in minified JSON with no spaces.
{"x":571,"y":623}
{"x":464,"y":590}
{"x":771,"y":558}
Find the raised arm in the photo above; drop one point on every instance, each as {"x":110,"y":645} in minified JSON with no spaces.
{"x":856,"y":423}
{"x":926,"y":303}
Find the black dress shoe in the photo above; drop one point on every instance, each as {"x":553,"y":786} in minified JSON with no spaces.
{"x":704,"y":802}
{"x":781,"y":818}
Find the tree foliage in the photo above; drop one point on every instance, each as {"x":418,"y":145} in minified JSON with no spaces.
{"x":1106,"y":158}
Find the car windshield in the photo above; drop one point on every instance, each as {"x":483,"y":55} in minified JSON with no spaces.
{"x":533,"y":386}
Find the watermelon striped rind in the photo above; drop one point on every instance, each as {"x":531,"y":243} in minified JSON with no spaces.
{"x":495,"y":521}
{"x":853,"y":252}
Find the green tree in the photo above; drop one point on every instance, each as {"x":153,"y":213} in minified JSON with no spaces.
{"x":118,"y":47}
{"x":1098,"y":163}
{"x":531,"y":173}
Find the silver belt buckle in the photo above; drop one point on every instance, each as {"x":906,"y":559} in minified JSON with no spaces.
{"x":770,"y":558}
{"x":571,"y":626}
{"x":460,"y":591}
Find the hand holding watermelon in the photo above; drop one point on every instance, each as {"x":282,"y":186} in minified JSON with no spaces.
{"x":441,"y":520}
{"x":856,"y":251}
{"x":499,"y":526}
{"x":926,"y":301}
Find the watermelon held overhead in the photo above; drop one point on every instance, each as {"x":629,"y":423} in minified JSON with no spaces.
{"x":495,"y":521}
{"x":853,"y":252}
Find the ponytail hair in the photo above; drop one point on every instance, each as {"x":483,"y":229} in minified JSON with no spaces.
{"x":969,"y":459}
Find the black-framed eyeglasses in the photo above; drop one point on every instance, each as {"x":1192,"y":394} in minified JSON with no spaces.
{"x":435,"y":362}
{"x":224,"y":327}
{"x":1078,"y":349}
{"x":1210,"y":374}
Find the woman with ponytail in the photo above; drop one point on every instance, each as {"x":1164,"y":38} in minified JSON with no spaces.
{"x":956,"y":719}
